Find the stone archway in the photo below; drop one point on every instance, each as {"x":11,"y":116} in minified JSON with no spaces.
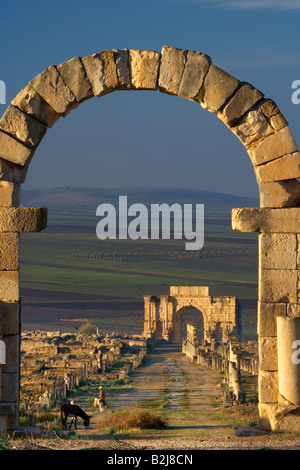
{"x":163,"y":314}
{"x":254,"y":119}
{"x":189,"y":314}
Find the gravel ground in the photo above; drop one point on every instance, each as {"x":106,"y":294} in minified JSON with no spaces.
{"x":271,"y":442}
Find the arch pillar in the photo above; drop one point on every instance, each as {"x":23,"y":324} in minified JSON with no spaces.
{"x":165,"y":316}
{"x":278,"y":303}
{"x":13,"y":221}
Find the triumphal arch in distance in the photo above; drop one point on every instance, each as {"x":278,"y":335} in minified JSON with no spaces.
{"x":253,"y":118}
{"x":163,"y":314}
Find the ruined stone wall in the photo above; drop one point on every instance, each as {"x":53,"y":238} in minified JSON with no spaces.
{"x":54,"y":364}
{"x":226,"y":357}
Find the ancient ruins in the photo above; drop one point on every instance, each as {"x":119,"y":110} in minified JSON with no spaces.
{"x":230,"y":357}
{"x":255,"y":120}
{"x":163,"y":314}
{"x":53,"y":363}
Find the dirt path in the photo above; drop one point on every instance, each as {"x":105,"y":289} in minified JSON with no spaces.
{"x":193,"y":408}
{"x":187,"y":395}
{"x":167,"y":372}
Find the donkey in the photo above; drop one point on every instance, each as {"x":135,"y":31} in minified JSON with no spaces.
{"x":99,"y":403}
{"x":73,"y":411}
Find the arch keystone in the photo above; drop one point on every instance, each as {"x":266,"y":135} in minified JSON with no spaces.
{"x":144,"y":67}
{"x":171,"y":69}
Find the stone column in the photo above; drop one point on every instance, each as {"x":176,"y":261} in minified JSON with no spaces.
{"x":147,"y":316}
{"x":288,"y":337}
{"x":278,"y":312}
{"x":164,"y":316}
{"x":13,"y":221}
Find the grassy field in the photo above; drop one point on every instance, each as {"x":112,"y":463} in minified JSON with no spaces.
{"x":68,"y":275}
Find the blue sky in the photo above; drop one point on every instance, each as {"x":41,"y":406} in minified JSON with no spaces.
{"x":142,"y":138}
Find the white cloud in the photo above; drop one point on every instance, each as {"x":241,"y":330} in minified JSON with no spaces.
{"x":262,"y":60}
{"x":281,"y":5}
{"x":264,"y":4}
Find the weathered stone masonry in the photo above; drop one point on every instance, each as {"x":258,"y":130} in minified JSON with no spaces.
{"x":224,"y":356}
{"x":254,"y":119}
{"x":163,"y":314}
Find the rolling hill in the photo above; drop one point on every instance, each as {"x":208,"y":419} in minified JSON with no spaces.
{"x":215,"y":204}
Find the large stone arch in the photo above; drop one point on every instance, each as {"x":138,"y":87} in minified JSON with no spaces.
{"x":261,"y":128}
{"x":162,"y":314}
{"x":202,"y":317}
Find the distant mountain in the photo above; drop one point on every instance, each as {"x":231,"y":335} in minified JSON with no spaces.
{"x":90,"y":198}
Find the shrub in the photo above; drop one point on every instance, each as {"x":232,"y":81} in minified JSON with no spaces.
{"x":131,"y":419}
{"x":4,"y":443}
{"x":111,"y":430}
{"x":87,"y":329}
{"x":253,"y":423}
{"x":27,"y":418}
{"x":47,"y":417}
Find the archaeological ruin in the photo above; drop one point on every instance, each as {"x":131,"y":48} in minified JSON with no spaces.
{"x":255,"y":120}
{"x":230,"y":357}
{"x":163,"y":314}
{"x":53,"y":364}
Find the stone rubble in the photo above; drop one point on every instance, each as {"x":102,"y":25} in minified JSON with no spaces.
{"x":52,"y":364}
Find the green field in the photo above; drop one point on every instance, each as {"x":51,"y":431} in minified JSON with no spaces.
{"x":68,"y":274}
